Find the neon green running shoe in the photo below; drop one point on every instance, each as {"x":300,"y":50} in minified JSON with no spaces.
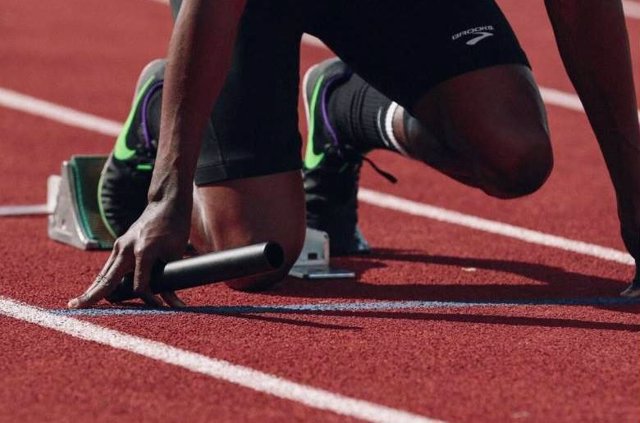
{"x":126,"y":176}
{"x":331,"y":166}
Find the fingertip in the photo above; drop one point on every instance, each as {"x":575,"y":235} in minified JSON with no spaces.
{"x":173,"y":300}
{"x":73,"y":303}
{"x":178,"y":303}
{"x":630,"y":292}
{"x":151,"y":300}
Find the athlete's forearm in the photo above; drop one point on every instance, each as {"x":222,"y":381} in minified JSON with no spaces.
{"x":198,"y":61}
{"x":594,"y":44}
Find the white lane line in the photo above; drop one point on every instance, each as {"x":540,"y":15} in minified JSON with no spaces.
{"x":217,"y":369}
{"x":527,"y":235}
{"x":396,"y":203}
{"x":631,"y":9}
{"x":563,"y":99}
{"x":27,"y":104}
{"x":25,"y":210}
{"x":360,"y":306}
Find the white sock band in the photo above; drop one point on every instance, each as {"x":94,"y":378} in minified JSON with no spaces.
{"x":388,"y":127}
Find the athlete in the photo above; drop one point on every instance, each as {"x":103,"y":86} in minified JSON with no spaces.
{"x":442,"y":81}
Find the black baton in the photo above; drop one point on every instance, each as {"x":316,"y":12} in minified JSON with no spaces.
{"x":207,"y":268}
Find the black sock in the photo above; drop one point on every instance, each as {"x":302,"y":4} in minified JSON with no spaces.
{"x":360,"y":114}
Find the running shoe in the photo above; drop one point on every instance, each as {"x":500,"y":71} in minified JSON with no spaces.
{"x":331,"y":166}
{"x":126,"y":176}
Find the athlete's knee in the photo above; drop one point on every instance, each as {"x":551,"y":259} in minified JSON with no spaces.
{"x":523,"y":167}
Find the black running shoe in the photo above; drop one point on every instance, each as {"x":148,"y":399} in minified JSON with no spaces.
{"x":331,"y":166}
{"x":126,"y":176}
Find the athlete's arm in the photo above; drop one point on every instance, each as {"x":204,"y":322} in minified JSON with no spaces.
{"x":594,"y":45}
{"x":199,"y":59}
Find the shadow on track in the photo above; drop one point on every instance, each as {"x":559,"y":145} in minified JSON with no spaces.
{"x":553,"y":286}
{"x":557,"y":281}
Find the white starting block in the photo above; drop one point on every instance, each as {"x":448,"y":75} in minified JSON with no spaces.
{"x":313,"y":262}
{"x":75,"y":219}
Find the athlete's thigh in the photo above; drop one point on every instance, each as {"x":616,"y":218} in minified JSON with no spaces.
{"x":248,"y":180}
{"x":457,"y":66}
{"x":253,"y":129}
{"x":406,"y":48}
{"x":493,"y":115}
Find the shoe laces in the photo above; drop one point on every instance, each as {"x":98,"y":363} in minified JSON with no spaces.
{"x":345,"y":151}
{"x":387,"y":175}
{"x":352,"y":156}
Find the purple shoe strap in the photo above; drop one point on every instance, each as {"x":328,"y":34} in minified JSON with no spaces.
{"x":332,"y":132}
{"x":156,"y":86}
{"x":324,"y":104}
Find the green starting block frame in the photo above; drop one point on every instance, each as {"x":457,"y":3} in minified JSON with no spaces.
{"x":75,"y":219}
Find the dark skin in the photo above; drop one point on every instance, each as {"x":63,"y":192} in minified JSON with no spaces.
{"x":600,"y":68}
{"x":593,"y":42}
{"x":194,"y":79}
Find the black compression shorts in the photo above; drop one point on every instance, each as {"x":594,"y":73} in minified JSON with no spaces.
{"x":402,"y":47}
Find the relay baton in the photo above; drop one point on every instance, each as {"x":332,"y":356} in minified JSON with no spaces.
{"x":207,"y":268}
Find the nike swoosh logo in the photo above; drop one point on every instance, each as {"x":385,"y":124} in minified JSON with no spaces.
{"x":481,"y":36}
{"x":311,"y":158}
{"x":121,"y":151}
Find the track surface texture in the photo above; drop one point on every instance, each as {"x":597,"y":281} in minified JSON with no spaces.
{"x":443,"y":323}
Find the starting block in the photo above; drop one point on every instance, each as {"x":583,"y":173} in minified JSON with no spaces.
{"x":72,"y":198}
{"x":313,"y":262}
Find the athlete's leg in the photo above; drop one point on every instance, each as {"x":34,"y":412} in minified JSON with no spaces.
{"x":249,"y":187}
{"x":486,"y":128}
{"x":248,"y":183}
{"x":476,"y":112}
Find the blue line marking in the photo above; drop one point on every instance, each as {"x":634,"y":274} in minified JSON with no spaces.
{"x":351,"y":306}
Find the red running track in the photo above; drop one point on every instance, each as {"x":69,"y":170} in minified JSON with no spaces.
{"x":458,"y":361}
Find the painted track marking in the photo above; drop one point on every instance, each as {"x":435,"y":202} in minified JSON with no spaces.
{"x":631,"y":9}
{"x":217,"y":369}
{"x":52,"y":111}
{"x":348,"y":307}
{"x":392,"y":202}
{"x":24,"y":210}
{"x":31,"y":105}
